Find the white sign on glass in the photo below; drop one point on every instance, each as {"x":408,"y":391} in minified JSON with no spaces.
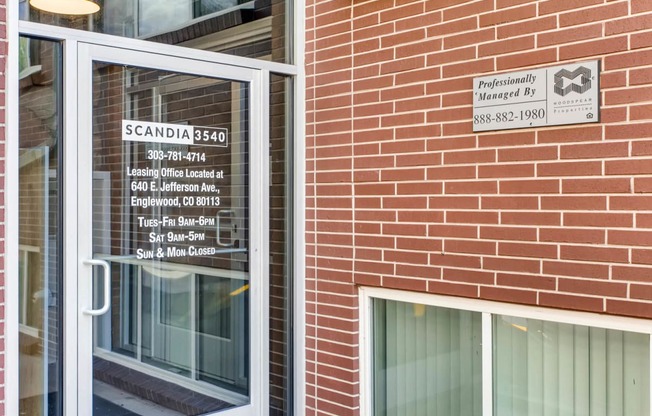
{"x":145,"y":131}
{"x":559,"y":95}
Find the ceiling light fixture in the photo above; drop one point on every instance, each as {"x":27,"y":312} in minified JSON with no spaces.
{"x":69,"y":7}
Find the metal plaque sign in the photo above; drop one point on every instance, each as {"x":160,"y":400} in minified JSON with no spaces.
{"x":559,"y":95}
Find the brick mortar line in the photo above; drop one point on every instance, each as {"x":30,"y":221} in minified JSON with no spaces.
{"x":501,"y":71}
{"x":350,"y":383}
{"x":346,"y":357}
{"x":534,"y":34}
{"x":339,"y":306}
{"x":339,"y":331}
{"x":334,"y":391}
{"x":343,"y":344}
{"x":352,"y":371}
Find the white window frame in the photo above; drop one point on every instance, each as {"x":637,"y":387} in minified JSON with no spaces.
{"x":487,"y":309}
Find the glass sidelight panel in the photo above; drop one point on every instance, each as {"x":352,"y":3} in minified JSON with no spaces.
{"x":171,"y":218}
{"x":40,"y":249}
{"x":281,"y":279}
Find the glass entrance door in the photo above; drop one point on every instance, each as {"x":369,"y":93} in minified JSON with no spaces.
{"x":171,"y":233}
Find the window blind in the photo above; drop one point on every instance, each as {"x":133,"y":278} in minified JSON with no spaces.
{"x":553,"y":369}
{"x":427,"y":360}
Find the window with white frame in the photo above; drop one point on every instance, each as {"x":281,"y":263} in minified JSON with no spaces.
{"x":439,"y":356}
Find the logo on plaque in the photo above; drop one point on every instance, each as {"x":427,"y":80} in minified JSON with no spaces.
{"x":583,"y":86}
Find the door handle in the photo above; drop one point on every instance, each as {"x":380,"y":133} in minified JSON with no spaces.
{"x":220,"y":214}
{"x":107,"y":287}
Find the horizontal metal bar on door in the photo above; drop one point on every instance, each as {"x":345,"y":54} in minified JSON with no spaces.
{"x":186,"y":268}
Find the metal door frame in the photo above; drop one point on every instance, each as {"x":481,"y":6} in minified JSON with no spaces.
{"x":79,"y":340}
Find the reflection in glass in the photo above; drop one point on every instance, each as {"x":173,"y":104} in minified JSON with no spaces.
{"x":280,"y":242}
{"x":255,"y":29}
{"x":155,"y":15}
{"x":179,"y":318}
{"x":543,"y":368}
{"x":426,"y":360}
{"x":39,"y":265}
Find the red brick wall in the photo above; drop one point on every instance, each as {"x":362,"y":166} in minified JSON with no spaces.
{"x":402,"y":194}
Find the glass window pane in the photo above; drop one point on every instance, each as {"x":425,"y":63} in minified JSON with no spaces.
{"x":543,"y":368}
{"x":155,"y":15}
{"x":280,"y":244}
{"x":171,"y":216}
{"x":40,"y":254}
{"x":426,"y":360}
{"x":255,"y":29}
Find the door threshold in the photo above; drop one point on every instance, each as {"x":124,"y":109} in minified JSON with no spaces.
{"x":150,"y":389}
{"x":111,"y":401}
